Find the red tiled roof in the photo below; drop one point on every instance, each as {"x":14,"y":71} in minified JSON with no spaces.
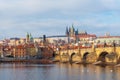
{"x":86,"y":36}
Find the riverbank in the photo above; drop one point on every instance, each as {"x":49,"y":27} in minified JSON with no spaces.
{"x":36,"y":61}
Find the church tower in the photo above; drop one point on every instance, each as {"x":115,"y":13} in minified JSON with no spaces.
{"x":67,"y":32}
{"x":30,"y":38}
{"x":71,"y":30}
{"x":27,"y":38}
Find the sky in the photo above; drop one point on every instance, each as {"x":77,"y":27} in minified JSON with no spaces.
{"x":50,"y":17}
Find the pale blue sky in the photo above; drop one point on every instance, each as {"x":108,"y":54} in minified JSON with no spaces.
{"x":50,"y":17}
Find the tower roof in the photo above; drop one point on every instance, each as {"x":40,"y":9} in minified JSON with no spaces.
{"x":27,"y":34}
{"x":67,"y":32}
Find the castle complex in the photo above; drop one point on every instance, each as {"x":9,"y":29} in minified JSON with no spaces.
{"x":74,"y":46}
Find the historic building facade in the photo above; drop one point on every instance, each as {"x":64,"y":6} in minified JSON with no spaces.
{"x":75,"y":36}
{"x":108,"y":40}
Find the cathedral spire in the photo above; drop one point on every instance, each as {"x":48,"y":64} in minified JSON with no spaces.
{"x":76,"y":32}
{"x":73,"y":29}
{"x":67,"y":32}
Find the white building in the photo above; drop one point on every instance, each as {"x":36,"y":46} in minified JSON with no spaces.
{"x":58,"y":38}
{"x":108,"y":40}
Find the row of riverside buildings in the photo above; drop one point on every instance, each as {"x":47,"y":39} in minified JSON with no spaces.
{"x":30,"y":47}
{"x":24,"y":48}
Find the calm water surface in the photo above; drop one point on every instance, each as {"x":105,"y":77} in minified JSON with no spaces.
{"x":58,"y":71}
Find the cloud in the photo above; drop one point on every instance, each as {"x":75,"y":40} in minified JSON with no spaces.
{"x":32,"y":6}
{"x":111,"y":4}
{"x":52,"y":16}
{"x":66,"y":7}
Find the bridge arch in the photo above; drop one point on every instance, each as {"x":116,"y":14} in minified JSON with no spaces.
{"x":102,"y":56}
{"x":72,"y":56}
{"x":84,"y":58}
{"x":75,"y":57}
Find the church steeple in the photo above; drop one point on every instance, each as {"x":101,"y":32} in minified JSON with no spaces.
{"x":67,"y":32}
{"x":76,"y":32}
{"x":31,"y":38}
{"x":27,"y":37}
{"x":72,"y":30}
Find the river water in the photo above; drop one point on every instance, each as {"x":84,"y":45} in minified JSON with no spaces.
{"x":58,"y":71}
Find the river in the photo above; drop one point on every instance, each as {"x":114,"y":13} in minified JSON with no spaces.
{"x":58,"y":71}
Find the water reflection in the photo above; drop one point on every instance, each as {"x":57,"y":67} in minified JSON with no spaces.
{"x":58,"y":71}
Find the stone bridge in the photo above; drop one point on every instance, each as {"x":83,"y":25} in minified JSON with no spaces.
{"x":89,"y":55}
